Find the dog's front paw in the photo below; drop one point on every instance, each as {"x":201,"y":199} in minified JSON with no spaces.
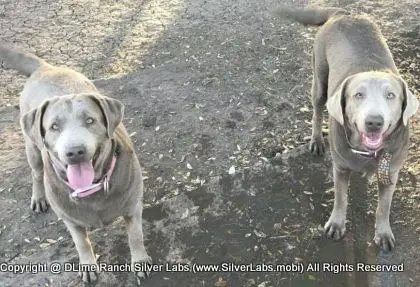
{"x":384,"y":239}
{"x":140,"y":268}
{"x":335,"y":228}
{"x":39,"y":204}
{"x":317,"y":146}
{"x":89,"y":276}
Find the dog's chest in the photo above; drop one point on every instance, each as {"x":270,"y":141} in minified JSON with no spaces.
{"x":99,"y":213}
{"x":97,"y":210}
{"x":357,"y":163}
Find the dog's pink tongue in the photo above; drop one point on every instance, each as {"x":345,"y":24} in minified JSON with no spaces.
{"x":80,"y":175}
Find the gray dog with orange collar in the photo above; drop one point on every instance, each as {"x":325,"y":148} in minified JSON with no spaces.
{"x":82,"y":159}
{"x":369,"y":106}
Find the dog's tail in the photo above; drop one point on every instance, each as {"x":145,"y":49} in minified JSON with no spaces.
{"x":309,"y":15}
{"x":19,"y":60}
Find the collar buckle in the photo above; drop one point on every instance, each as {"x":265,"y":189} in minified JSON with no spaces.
{"x":83,"y":192}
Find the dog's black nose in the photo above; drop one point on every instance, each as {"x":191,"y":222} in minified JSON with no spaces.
{"x":374,"y":123}
{"x":76,"y":153}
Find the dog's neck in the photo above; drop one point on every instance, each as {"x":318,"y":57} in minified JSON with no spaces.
{"x":102,"y":166}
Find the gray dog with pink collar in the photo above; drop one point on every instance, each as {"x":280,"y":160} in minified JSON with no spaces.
{"x":82,"y":159}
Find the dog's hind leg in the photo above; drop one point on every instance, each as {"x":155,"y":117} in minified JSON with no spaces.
{"x":319,"y":98}
{"x":38,"y":200}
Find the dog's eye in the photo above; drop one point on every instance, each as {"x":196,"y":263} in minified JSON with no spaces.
{"x":390,"y":96}
{"x":358,"y":96}
{"x":54,"y":127}
{"x":89,"y":121}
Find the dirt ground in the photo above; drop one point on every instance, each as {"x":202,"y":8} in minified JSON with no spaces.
{"x":217,"y":103}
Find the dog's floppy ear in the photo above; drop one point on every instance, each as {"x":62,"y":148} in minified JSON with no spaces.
{"x":411,"y":104}
{"x":335,"y":102}
{"x":113,"y":111}
{"x":31,"y":123}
